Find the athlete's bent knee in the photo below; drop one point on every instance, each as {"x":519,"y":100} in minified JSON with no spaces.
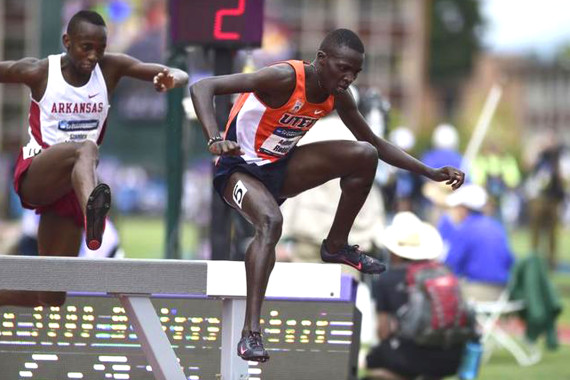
{"x":87,"y":148}
{"x":367,"y":153}
{"x":270,"y":227}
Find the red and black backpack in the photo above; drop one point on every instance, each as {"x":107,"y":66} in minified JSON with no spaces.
{"x":436,"y":313}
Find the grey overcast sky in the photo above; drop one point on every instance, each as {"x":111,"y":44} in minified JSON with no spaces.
{"x":519,"y":26}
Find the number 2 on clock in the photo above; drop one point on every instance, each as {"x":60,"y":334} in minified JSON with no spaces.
{"x":220,"y":14}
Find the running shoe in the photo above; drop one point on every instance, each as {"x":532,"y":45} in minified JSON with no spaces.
{"x":351,"y":255}
{"x":250,"y":347}
{"x":98,"y":206}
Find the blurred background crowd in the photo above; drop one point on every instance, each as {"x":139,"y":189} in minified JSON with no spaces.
{"x":474,"y":84}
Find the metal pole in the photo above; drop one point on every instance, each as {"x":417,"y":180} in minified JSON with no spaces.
{"x":220,"y":225}
{"x":175,"y":159}
{"x":153,"y":340}
{"x":232,"y":366}
{"x":482,"y":126}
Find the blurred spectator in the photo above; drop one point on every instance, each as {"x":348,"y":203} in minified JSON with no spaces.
{"x":410,"y":242}
{"x":406,"y":186}
{"x":498,"y":172}
{"x":376,"y":110}
{"x":479,"y":250}
{"x":546,"y":189}
{"x":445,"y":145}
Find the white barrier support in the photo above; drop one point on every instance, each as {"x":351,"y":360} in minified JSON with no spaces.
{"x":134,"y":281}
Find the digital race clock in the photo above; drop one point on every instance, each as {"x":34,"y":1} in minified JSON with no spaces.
{"x":217,"y":23}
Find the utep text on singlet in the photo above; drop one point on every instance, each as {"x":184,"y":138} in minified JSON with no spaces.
{"x":267,"y":134}
{"x":66,"y":113}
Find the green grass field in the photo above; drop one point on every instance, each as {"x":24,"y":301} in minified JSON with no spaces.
{"x":144,"y":238}
{"x":553,"y":366}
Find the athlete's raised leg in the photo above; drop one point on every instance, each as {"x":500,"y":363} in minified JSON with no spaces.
{"x":355,"y":164}
{"x":57,"y":236}
{"x":65,"y":167}
{"x":254,"y":202}
{"x":60,"y":169}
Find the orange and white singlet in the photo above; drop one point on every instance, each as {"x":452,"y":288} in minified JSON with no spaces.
{"x":267,"y":134}
{"x":66,"y":113}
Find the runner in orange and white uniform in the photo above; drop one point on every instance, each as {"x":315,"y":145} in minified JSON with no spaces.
{"x":260,"y":166}
{"x":267,"y":135}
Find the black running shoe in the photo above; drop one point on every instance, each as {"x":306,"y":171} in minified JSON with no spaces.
{"x":250,"y":347}
{"x":351,"y":255}
{"x":98,"y":206}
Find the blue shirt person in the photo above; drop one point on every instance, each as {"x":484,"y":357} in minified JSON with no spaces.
{"x":445,"y":142}
{"x":478,"y":247}
{"x":480,"y":252}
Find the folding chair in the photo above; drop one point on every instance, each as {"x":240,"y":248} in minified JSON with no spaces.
{"x":488,"y":316}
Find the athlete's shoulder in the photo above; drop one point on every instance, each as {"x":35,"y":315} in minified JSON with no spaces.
{"x":113,"y":66}
{"x":277,"y":75}
{"x":114,"y":59}
{"x":283,"y":67}
{"x":279,"y":70}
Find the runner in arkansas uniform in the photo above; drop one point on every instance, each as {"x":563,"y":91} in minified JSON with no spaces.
{"x":64,"y":114}
{"x":56,"y":171}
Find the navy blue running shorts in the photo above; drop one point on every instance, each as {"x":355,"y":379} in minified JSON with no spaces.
{"x":270,"y":175}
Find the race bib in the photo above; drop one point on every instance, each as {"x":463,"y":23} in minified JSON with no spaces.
{"x":77,"y":130}
{"x":31,"y":149}
{"x":281,"y":141}
{"x":239,"y":193}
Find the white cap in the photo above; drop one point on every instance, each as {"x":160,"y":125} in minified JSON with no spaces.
{"x":445,"y":137}
{"x":472,"y":196}
{"x":403,"y":138}
{"x":408,"y":237}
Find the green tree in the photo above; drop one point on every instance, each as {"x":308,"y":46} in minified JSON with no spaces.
{"x":454,"y":41}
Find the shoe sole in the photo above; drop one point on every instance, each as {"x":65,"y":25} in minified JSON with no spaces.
{"x":260,"y":359}
{"x":376,"y":272}
{"x":380,"y":271}
{"x":98,"y":206}
{"x":335,"y":260}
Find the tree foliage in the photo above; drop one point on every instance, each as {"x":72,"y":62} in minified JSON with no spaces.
{"x":454,"y":40}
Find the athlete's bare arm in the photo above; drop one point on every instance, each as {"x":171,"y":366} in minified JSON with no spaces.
{"x":115,"y":66}
{"x":273,"y":85}
{"x":353,"y":119}
{"x":29,"y":71}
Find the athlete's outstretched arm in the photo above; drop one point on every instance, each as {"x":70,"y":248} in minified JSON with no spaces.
{"x":164,"y":78}
{"x":349,"y":114}
{"x":265,"y":81}
{"x":26,"y":71}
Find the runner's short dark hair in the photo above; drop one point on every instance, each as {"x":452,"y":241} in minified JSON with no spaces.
{"x":342,"y":37}
{"x":88,"y":16}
